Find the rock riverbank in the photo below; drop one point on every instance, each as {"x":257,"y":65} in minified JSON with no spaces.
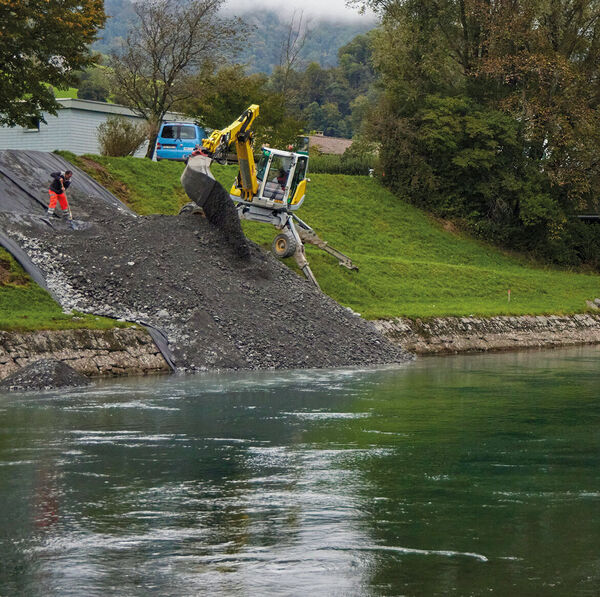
{"x":118,"y":351}
{"x":450,"y":335}
{"x":131,"y":351}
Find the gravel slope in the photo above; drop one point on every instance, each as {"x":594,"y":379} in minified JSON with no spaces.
{"x":180,"y":274}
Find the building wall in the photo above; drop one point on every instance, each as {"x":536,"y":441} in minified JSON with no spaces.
{"x":75,"y":128}
{"x":72,"y":130}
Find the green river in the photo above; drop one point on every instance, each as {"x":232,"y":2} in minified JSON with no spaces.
{"x":467,"y":475}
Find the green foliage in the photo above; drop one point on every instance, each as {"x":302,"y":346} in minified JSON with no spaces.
{"x":119,"y":137}
{"x":409,"y":265}
{"x":490,"y":115}
{"x":88,"y":90}
{"x":94,"y":84}
{"x":219,"y":97}
{"x":349,"y":163}
{"x":41,"y":45}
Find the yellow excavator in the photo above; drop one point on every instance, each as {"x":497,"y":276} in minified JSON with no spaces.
{"x":269,"y":191}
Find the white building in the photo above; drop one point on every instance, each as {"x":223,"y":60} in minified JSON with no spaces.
{"x":74,"y":128}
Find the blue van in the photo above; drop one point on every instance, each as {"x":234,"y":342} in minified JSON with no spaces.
{"x":176,"y":140}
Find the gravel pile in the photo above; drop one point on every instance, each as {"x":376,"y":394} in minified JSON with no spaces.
{"x":45,"y":374}
{"x":180,"y":274}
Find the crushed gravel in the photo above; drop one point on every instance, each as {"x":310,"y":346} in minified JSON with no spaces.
{"x":45,"y":374}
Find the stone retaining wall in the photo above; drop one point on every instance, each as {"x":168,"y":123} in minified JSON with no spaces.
{"x":450,"y":335}
{"x":117,"y":351}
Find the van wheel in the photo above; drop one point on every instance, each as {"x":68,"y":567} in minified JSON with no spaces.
{"x":284,"y":245}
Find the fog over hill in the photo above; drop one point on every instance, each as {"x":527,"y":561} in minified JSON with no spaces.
{"x":334,"y":11}
{"x":330,"y":26}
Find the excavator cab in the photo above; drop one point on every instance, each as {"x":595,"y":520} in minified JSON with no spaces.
{"x":281,"y":177}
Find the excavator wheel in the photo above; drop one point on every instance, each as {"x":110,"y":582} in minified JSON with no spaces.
{"x":284,"y":245}
{"x":191,"y":208}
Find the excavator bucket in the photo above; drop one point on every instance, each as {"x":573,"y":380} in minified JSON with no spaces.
{"x":202,"y":188}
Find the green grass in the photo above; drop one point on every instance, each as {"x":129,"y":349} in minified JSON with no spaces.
{"x":62,"y":93}
{"x":147,"y":187}
{"x":24,"y":306}
{"x":409,"y":265}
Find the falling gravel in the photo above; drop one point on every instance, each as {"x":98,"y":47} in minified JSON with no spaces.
{"x":180,"y":274}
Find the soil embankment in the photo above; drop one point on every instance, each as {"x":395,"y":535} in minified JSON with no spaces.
{"x":180,"y":274}
{"x":450,"y":335}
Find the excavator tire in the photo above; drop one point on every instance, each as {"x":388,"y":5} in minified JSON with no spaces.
{"x":191,"y":208}
{"x":284,"y":245}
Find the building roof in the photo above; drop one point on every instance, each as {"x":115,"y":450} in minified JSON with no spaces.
{"x":334,"y":145}
{"x":116,"y":109}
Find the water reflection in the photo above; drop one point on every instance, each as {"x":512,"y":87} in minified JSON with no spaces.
{"x":450,"y":475}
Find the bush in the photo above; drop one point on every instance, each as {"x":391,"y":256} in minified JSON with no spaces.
{"x":353,"y":164}
{"x":120,"y":137}
{"x":89,"y":90}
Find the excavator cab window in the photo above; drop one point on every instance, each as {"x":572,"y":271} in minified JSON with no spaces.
{"x":299,"y":175}
{"x":261,"y":167}
{"x":277,"y":177}
{"x":302,"y":143}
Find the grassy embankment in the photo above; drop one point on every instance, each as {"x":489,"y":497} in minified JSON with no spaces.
{"x":25,"y":306}
{"x":409,"y":264}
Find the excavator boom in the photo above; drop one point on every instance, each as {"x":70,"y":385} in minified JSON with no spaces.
{"x":237,"y":135}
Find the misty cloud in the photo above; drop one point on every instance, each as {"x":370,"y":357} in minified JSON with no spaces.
{"x":335,"y":10}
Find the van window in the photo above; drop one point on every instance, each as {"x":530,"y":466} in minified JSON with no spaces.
{"x":187,"y":132}
{"x":169,"y":132}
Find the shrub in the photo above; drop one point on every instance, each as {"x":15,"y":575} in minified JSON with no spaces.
{"x":348,"y":163}
{"x":89,"y":90}
{"x":120,"y":137}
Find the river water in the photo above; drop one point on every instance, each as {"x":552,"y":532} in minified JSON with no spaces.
{"x":467,"y":475}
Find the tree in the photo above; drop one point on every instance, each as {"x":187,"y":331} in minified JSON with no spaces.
{"x":120,"y":137}
{"x":291,"y":48}
{"x":42,"y":44}
{"x":490,"y":111}
{"x":218,"y":98}
{"x":171,"y":42}
{"x":94,"y":84}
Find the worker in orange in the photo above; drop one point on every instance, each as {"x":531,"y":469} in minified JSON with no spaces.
{"x":60,"y":183}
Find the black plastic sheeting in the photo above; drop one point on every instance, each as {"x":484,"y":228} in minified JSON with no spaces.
{"x":24,"y":182}
{"x":25,"y":177}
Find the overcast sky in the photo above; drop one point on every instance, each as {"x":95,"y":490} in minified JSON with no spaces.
{"x":330,"y":9}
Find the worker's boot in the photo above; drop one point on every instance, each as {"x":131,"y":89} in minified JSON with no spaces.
{"x":50,"y":212}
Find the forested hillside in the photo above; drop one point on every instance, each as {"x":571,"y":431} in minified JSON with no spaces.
{"x":268,"y":31}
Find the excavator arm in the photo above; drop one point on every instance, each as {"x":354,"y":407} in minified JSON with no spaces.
{"x":237,"y":134}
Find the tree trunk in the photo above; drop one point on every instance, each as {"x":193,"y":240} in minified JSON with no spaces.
{"x":152,"y":143}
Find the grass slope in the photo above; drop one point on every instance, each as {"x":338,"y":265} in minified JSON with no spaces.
{"x":409,"y":265}
{"x":24,"y":306}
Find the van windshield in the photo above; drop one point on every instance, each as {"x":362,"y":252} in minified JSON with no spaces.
{"x":187,"y":132}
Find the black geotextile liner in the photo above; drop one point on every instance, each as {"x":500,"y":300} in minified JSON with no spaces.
{"x":24,"y":181}
{"x":25,"y":178}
